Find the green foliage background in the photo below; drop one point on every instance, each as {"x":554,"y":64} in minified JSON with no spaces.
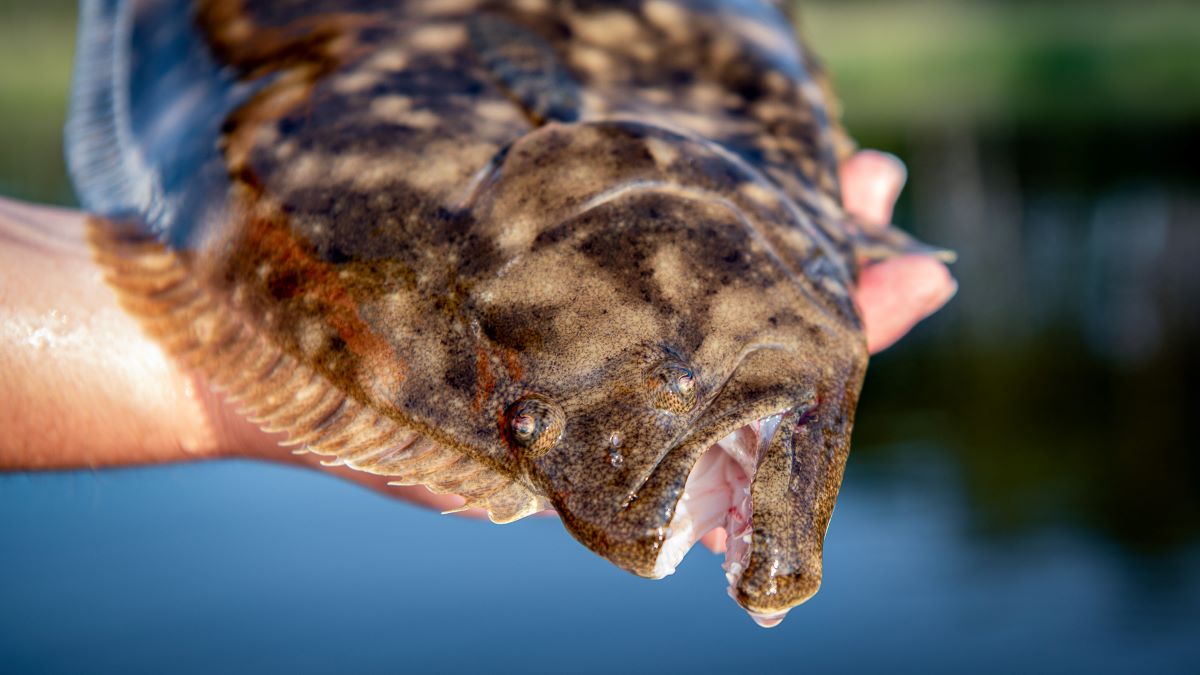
{"x":898,"y":65}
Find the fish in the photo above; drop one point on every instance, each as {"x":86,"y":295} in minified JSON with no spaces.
{"x":587,"y":257}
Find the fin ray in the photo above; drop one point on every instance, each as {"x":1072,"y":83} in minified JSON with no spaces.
{"x":282,"y":394}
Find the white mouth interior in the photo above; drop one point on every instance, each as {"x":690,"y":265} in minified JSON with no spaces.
{"x":717,"y":495}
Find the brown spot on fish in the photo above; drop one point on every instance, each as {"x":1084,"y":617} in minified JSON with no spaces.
{"x":670,"y":18}
{"x":292,"y":271}
{"x":390,"y":59}
{"x":250,"y":126}
{"x":237,"y":39}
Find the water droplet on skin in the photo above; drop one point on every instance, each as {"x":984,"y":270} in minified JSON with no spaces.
{"x":614,"y":454}
{"x":39,"y":338}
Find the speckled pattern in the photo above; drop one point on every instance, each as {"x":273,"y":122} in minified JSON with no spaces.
{"x":474,"y":245}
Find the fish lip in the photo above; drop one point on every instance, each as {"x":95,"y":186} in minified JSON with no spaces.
{"x":704,"y":438}
{"x":631,"y":534}
{"x":760,"y":443}
{"x":781,"y":563}
{"x":778,"y":404}
{"x":701,"y":441}
{"x":716,"y":499}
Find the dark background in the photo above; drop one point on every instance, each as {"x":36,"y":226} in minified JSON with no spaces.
{"x":1024,"y":490}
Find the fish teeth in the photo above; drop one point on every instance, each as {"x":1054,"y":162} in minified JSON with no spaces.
{"x":717,"y":494}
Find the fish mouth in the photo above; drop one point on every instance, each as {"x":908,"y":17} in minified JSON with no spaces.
{"x":718,"y":496}
{"x":765,"y":464}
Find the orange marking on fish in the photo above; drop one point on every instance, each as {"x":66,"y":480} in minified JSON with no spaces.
{"x":268,"y":232}
{"x":297,"y":272}
{"x":485,"y":383}
{"x":512,"y":362}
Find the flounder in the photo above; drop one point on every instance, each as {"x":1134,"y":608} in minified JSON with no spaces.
{"x":584,"y":256}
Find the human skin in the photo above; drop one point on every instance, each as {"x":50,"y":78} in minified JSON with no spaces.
{"x":81,"y":386}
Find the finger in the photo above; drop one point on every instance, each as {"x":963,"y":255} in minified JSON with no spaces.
{"x":896,"y":294}
{"x":871,"y":182}
{"x":715,"y":540}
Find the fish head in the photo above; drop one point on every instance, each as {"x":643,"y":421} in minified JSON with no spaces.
{"x":678,"y":377}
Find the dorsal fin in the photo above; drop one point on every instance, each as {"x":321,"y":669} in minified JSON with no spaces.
{"x":141,"y":131}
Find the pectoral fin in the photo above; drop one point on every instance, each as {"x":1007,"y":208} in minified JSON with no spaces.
{"x":872,"y":245}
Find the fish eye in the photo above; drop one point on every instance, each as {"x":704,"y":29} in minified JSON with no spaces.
{"x":534,"y":425}
{"x":675,"y":388}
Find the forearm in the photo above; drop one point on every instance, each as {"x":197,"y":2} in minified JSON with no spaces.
{"x":80,"y":385}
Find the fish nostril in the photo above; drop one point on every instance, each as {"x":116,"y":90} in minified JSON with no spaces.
{"x":615,"y":457}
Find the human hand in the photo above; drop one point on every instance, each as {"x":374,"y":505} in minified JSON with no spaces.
{"x":84,"y":387}
{"x":895,"y":294}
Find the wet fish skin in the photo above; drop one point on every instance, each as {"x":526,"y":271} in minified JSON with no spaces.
{"x":479,"y":245}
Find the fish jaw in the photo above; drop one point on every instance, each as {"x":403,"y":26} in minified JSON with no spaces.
{"x":717,"y":495}
{"x":764,"y":460}
{"x":771,"y":485}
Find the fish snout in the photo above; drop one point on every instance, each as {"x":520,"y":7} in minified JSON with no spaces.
{"x":792,"y":495}
{"x":764,"y":462}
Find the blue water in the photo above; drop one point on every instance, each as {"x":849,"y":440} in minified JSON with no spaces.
{"x":245,"y":567}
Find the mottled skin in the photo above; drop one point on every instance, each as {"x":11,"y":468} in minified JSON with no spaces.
{"x":554,"y":250}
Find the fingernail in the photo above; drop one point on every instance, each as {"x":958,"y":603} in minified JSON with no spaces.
{"x":890,"y":176}
{"x":939,"y":293}
{"x":873,"y":182}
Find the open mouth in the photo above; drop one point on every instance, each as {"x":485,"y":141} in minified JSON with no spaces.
{"x":717,"y":495}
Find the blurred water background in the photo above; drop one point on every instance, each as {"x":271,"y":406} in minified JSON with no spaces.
{"x":1024,"y":489}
